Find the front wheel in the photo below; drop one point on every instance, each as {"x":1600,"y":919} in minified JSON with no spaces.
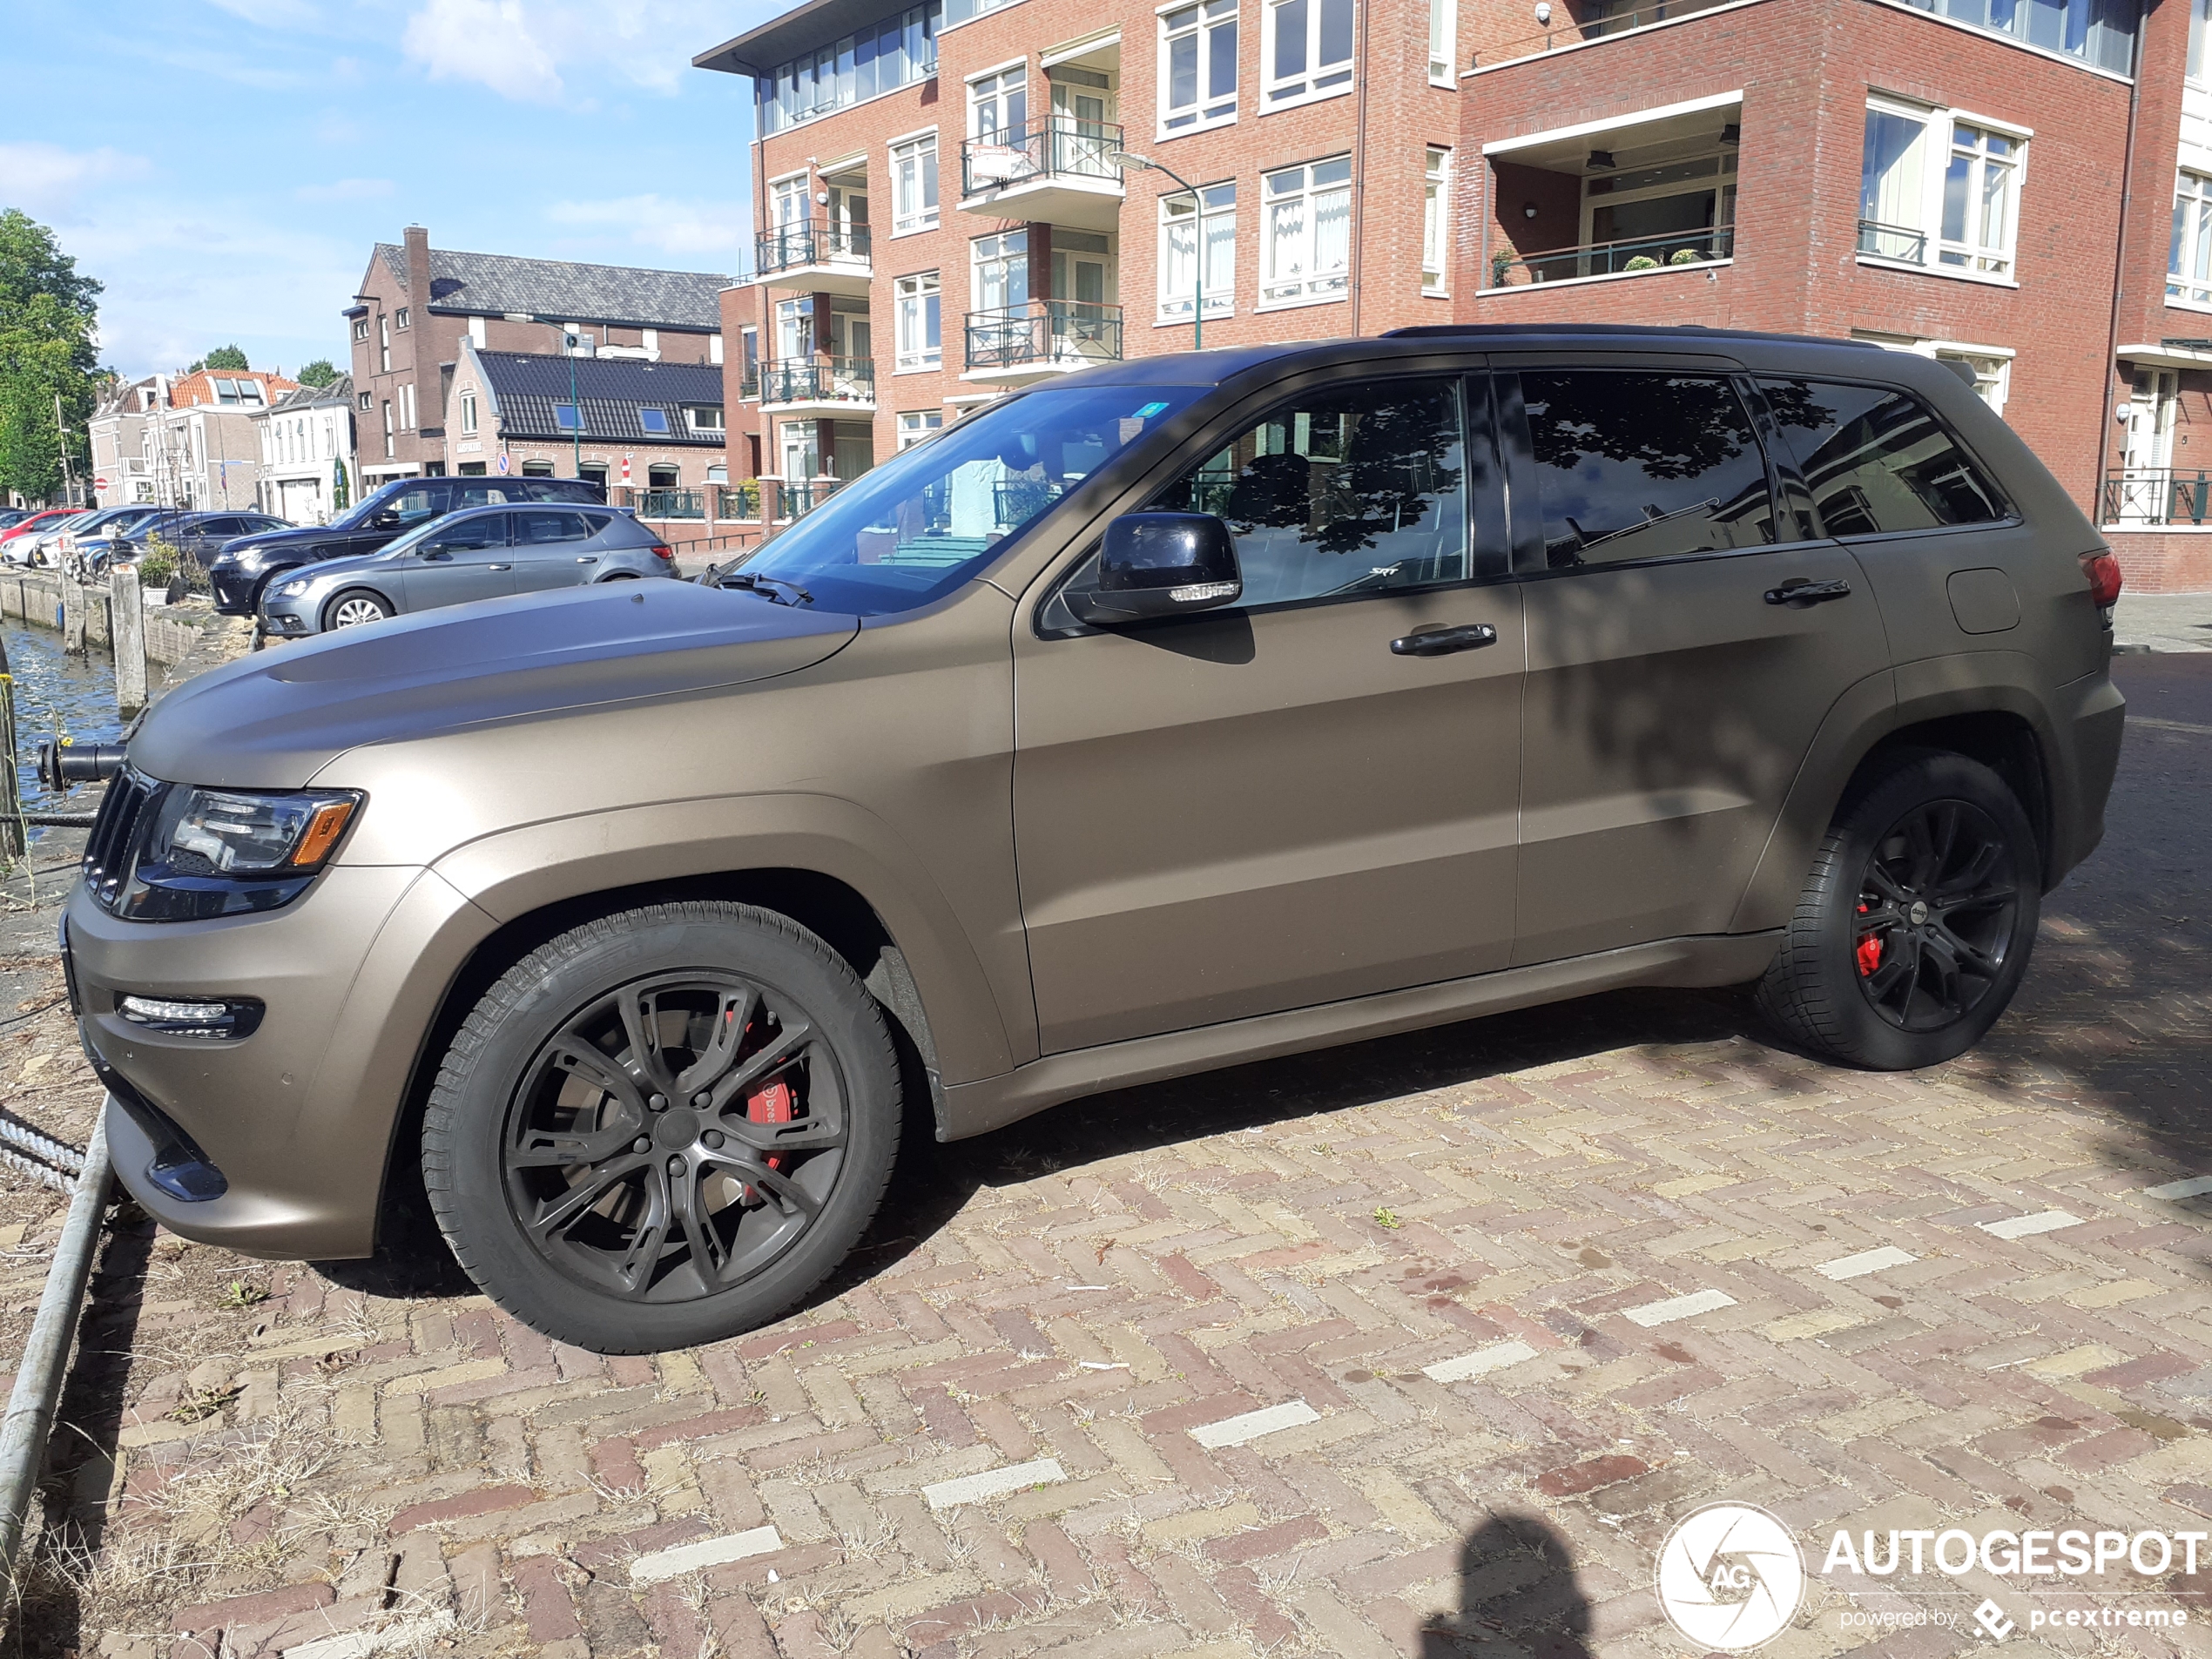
{"x":1913,"y":930}
{"x":662,"y":1128}
{"x":354,"y":607}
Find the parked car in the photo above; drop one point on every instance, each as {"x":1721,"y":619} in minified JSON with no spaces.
{"x":47,"y":549}
{"x":242,"y":570}
{"x":201,"y":535}
{"x":16,"y":540}
{"x":1179,"y":712}
{"x":10,"y":516}
{"x":480,"y":553}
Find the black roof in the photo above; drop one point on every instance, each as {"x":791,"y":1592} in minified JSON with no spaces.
{"x":529,"y":385}
{"x":631,"y":296}
{"x":803,"y":29}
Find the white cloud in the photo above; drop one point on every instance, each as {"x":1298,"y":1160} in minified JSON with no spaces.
{"x":684,"y":229}
{"x":49,"y":182}
{"x":520,"y":48}
{"x":345,"y":189}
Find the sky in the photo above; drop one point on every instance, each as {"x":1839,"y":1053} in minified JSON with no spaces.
{"x":224,"y":166}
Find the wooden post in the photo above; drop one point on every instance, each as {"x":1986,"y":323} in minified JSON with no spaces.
{"x":13,"y":829}
{"x":127,"y":637}
{"x":72,"y":616}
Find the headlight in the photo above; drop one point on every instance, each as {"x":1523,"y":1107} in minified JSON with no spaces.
{"x":292,"y":589}
{"x":221,"y":852}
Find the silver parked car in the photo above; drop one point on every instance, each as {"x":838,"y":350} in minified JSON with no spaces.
{"x":479,"y":554}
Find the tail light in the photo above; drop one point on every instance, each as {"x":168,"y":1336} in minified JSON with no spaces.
{"x":2103,"y":572}
{"x":662,"y":550}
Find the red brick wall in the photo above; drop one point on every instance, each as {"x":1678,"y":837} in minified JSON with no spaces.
{"x":2163,"y":561}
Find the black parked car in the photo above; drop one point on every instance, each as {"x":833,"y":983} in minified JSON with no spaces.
{"x":202,"y":535}
{"x":243,"y":568}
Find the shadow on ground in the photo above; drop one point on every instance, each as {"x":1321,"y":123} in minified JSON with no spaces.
{"x":1517,"y":1585}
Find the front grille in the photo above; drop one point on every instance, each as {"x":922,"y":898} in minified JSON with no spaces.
{"x":117,"y":831}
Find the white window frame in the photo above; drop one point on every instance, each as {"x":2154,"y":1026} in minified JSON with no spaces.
{"x":791,"y":188}
{"x":914,"y":425}
{"x":476,"y":327}
{"x":469,"y":412}
{"x":407,"y":407}
{"x":1316,"y":80}
{"x":920,"y":149}
{"x":2188,"y":280}
{"x":1443,"y":42}
{"x":400,"y":318}
{"x":1217,"y":215}
{"x":1991,"y":365}
{"x":1967,"y":260}
{"x":1001,"y":80}
{"x":1207,"y":19}
{"x":1309,"y":286}
{"x":695,"y":416}
{"x":1436,"y":219}
{"x":910,"y":296}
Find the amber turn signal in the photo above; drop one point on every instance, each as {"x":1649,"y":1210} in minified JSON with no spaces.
{"x":323,"y":831}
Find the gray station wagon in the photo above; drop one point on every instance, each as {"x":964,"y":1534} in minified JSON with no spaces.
{"x":1175,"y":713}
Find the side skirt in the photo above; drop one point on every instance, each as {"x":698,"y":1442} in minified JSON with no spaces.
{"x":992,"y":1102}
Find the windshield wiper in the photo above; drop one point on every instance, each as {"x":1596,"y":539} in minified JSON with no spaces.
{"x":754,"y":581}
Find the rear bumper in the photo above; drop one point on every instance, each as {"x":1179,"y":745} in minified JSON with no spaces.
{"x":2089,"y":720}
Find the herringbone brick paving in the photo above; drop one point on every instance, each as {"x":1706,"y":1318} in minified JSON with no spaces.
{"x":1080,"y":1292}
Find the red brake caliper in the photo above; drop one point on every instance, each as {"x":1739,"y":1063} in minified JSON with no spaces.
{"x":773,"y":1104}
{"x":1869,"y":953}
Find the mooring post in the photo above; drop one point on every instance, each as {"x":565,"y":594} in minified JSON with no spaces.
{"x":127,"y":637}
{"x":13,"y":831}
{"x":72,"y":616}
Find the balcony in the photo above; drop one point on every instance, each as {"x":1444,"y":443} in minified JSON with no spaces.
{"x":1601,"y":22}
{"x":1028,"y":342}
{"x":1900,"y":242}
{"x":829,"y":386}
{"x":2153,"y":495}
{"x":1059,"y":171}
{"x":815,"y":256}
{"x":1712,"y":245}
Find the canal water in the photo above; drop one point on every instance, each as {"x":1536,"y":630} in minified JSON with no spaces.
{"x":55,"y":693}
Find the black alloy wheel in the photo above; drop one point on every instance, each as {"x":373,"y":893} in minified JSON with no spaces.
{"x":1936,"y":910}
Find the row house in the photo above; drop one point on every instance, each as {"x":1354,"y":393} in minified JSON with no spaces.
{"x":418,"y":305}
{"x":655,"y":428}
{"x":308,"y":464}
{"x":185,"y":441}
{"x":960,"y":198}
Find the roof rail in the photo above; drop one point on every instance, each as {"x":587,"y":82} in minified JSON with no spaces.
{"x":1462,"y":330}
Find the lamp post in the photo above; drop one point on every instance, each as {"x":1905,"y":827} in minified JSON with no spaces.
{"x":1130,"y":158}
{"x":569,"y":341}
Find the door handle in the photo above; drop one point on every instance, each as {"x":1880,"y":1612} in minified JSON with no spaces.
{"x":501,"y":566}
{"x":1442,"y":641}
{"x":1801,"y":591}
{"x":587,"y":558}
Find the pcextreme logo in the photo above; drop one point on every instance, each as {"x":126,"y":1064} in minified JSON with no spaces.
{"x":1730,"y":1576}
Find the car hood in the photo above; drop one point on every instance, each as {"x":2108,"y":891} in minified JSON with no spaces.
{"x":273,"y":720}
{"x":277,"y":540}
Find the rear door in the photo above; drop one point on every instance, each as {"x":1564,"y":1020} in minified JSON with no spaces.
{"x":1674,"y":683}
{"x":551,"y":548}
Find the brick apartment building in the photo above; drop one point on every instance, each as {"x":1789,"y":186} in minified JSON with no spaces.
{"x":2024,"y":188}
{"x":418,"y":303}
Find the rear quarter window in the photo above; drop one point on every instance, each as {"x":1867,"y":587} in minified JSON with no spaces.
{"x":1878,"y":460}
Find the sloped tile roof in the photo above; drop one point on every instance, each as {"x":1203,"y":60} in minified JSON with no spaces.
{"x":529,"y":385}
{"x":495,"y":283}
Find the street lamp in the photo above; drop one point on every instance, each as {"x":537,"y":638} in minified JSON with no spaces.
{"x":1130,"y":158}
{"x":569,"y":341}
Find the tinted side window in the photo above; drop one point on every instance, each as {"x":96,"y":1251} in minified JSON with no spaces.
{"x":1362,"y":489}
{"x":1878,"y":460}
{"x":486,"y":529}
{"x":416,"y":503}
{"x":534,"y":526}
{"x":1639,"y":465}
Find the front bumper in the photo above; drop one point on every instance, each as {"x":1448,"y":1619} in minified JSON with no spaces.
{"x":234,"y":591}
{"x":298,"y":1116}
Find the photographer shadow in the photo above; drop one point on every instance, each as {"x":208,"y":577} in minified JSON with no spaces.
{"x":1518,"y":1593}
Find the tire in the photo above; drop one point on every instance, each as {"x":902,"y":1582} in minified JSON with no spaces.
{"x":1915,"y":929}
{"x":352,"y":608}
{"x":706,"y":1232}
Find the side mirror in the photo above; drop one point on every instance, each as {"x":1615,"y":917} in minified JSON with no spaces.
{"x":1160,"y":564}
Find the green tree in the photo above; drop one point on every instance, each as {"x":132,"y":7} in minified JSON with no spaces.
{"x":226,"y":357}
{"x":319,"y":372}
{"x":47,"y":313}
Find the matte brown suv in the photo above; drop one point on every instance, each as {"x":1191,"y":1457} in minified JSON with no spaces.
{"x":1172,"y":714}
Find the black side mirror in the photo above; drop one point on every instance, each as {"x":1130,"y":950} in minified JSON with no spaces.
{"x":1160,"y":564}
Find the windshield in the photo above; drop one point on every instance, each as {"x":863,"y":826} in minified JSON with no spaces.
{"x":921,"y":523}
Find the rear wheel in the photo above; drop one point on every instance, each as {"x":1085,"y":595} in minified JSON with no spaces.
{"x":355,"y":606}
{"x":662,"y":1128}
{"x":1914,"y":928}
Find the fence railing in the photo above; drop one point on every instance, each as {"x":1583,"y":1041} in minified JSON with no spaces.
{"x":1057,"y":147}
{"x":1508,"y":270}
{"x":2157,"y":496}
{"x":808,"y":241}
{"x":818,"y":379}
{"x":1570,"y":31}
{"x":1880,"y":241}
{"x":1045,"y":332}
{"x":671,"y":503}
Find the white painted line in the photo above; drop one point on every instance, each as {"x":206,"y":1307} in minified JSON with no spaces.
{"x":995,"y":1483}
{"x":2025,"y":1226}
{"x":707,"y":1552}
{"x":1867,"y":1261}
{"x":1090,"y":1287}
{"x":411,"y":1635}
{"x":2196,"y":1186}
{"x":1494,"y":1358}
{"x":1241,"y":1431}
{"x":1104,"y":1365}
{"x":1680,"y":1307}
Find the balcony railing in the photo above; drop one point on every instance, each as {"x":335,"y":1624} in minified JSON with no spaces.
{"x":820,"y":380}
{"x":809,"y":241}
{"x":1057,"y":147}
{"x":1569,"y":31}
{"x":1045,"y":333}
{"x":2157,"y":496}
{"x":1633,"y":253}
{"x":1880,"y":241}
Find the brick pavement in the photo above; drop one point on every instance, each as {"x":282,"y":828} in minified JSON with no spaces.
{"x":1415,"y":1348}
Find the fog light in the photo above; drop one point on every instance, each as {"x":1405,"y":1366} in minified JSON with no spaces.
{"x":230,"y":1017}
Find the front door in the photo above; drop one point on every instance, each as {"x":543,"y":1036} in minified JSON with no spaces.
{"x":1270,"y":807}
{"x":1669,"y":703}
{"x":2148,"y":449}
{"x":468,"y":559}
